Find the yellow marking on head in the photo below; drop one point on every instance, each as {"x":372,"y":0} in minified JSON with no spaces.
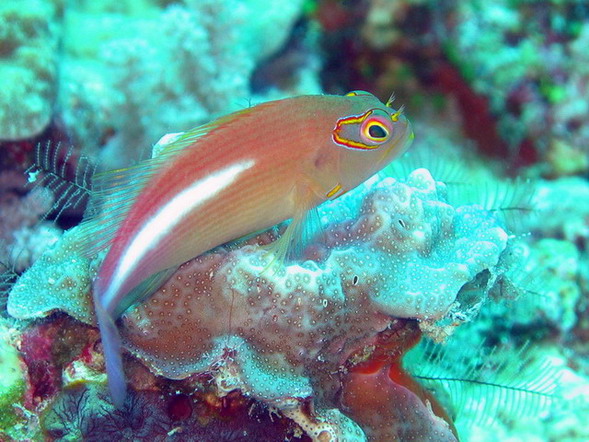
{"x":354,"y":118}
{"x":333,"y":191}
{"x":352,"y":143}
{"x":396,"y":115}
{"x":357,"y":93}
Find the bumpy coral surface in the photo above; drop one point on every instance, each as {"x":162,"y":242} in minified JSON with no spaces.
{"x":28,"y":66}
{"x":59,"y":280}
{"x":135,"y":73}
{"x":279,"y":334}
{"x":405,"y":253}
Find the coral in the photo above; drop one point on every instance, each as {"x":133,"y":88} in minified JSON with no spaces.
{"x":190,"y":324}
{"x":44,"y":376}
{"x":451,"y":245}
{"x":22,"y":237}
{"x":83,"y":412}
{"x":61,"y":280}
{"x":412,"y":420}
{"x":357,"y":279}
{"x":30,"y":244}
{"x":46,"y":348}
{"x":29,"y":32}
{"x":557,"y":266}
{"x":12,"y":382}
{"x":538,"y":296}
{"x":24,"y":212}
{"x":18,"y":211}
{"x":275,"y":334}
{"x":145,"y":75}
{"x":564,"y":208}
{"x":516,"y":69}
{"x":376,"y":380}
{"x":507,"y":51}
{"x":69,"y":417}
{"x":317,"y":349}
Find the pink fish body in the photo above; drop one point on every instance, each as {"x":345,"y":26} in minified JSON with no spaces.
{"x":239,"y":174}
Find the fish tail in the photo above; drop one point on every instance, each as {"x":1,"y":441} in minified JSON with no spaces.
{"x":111,"y":344}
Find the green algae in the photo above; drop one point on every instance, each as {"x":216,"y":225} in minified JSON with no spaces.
{"x":12,"y":385}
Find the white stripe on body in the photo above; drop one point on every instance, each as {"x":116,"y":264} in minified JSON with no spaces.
{"x":165,"y":219}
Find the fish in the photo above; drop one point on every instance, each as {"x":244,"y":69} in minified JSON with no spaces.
{"x":242,"y":173}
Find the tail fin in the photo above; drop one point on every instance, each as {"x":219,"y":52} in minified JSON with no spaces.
{"x":111,"y":344}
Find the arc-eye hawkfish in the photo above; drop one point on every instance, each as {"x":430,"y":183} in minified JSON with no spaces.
{"x":239,"y":174}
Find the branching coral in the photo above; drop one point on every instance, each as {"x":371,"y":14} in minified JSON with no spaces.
{"x":82,"y":412}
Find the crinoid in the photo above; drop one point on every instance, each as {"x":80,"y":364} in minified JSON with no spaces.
{"x":485,"y":386}
{"x":66,"y":174}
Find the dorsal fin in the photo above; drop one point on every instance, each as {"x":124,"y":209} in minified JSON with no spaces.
{"x":114,"y":192}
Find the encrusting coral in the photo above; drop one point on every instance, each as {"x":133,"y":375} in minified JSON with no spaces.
{"x":29,"y":33}
{"x":397,"y":256}
{"x":284,"y":335}
{"x":132,"y":77}
{"x":60,"y":280}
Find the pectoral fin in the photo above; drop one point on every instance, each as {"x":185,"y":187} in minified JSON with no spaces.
{"x":144,"y":290}
{"x":303,"y":228}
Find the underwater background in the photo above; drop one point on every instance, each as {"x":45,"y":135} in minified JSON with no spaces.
{"x":447,"y":298}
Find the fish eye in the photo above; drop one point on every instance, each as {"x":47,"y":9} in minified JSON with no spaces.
{"x":375,"y":131}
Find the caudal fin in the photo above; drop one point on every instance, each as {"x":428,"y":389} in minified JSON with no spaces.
{"x":111,"y":344}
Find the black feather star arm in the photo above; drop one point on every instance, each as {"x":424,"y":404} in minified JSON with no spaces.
{"x":481,"y":385}
{"x":511,"y":200}
{"x":53,"y":170}
{"x":8,"y":275}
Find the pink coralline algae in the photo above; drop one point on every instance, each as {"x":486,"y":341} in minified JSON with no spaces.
{"x":291,"y":335}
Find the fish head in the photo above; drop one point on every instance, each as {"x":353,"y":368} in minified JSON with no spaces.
{"x":370,"y":137}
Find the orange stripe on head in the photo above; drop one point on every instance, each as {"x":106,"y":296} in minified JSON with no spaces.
{"x":352,"y":144}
